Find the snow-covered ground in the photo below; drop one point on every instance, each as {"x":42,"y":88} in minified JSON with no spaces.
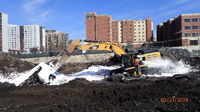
{"x":167,"y":68}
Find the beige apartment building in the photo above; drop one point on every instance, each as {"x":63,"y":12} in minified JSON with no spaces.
{"x":56,"y":41}
{"x":116,"y":31}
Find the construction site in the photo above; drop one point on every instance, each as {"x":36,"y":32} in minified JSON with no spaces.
{"x":80,"y":80}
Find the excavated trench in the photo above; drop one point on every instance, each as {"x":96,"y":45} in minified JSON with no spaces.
{"x":178,"y":93}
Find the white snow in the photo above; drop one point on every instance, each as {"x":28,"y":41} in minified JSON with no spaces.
{"x":93,"y":73}
{"x":168,"y":68}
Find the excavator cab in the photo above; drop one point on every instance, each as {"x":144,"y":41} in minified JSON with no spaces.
{"x":127,"y":61}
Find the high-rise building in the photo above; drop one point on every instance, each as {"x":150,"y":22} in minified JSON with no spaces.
{"x":102,"y":28}
{"x":32,"y":36}
{"x":56,"y":41}
{"x":98,"y":27}
{"x":14,"y":37}
{"x":180,"y":31}
{"x":127,"y":31}
{"x":3,"y":32}
{"x":116,"y":31}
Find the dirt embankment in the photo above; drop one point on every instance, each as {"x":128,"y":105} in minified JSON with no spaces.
{"x":9,"y":64}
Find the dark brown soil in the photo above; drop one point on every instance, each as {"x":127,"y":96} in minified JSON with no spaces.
{"x":9,"y":64}
{"x":82,"y":96}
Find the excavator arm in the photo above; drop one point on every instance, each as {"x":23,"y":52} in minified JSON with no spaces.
{"x":103,"y":46}
{"x":65,"y":54}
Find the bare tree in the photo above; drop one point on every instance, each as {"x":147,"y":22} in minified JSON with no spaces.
{"x":34,"y":50}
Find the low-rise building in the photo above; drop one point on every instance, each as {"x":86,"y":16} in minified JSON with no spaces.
{"x":183,"y":30}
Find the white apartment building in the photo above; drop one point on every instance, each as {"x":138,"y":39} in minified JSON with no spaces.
{"x":140,"y":31}
{"x":3,"y":32}
{"x":34,"y":37}
{"x":14,"y":37}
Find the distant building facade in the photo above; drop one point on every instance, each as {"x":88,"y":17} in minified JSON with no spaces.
{"x":116,"y":31}
{"x":56,"y":41}
{"x":98,"y":27}
{"x":183,"y":30}
{"x":3,"y":32}
{"x":14,"y":37}
{"x":32,"y":36}
{"x":103,"y":28}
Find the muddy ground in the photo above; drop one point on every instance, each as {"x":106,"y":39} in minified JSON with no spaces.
{"x":82,"y":96}
{"x":178,"y":93}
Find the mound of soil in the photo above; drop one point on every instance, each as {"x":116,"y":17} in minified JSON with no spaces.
{"x":9,"y":64}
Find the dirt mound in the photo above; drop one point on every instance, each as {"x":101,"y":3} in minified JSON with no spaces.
{"x":9,"y":64}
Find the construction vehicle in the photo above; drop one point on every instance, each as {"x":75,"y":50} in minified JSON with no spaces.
{"x":45,"y":71}
{"x":127,"y":59}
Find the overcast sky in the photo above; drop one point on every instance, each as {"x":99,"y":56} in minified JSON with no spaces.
{"x":69,"y":15}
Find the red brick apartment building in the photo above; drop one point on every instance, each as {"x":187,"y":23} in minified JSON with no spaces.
{"x":103,"y":28}
{"x":183,"y":30}
{"x":98,"y":27}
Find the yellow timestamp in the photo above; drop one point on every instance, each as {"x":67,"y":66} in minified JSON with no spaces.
{"x":163,"y":100}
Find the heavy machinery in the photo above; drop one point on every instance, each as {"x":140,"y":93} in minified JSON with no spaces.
{"x":45,"y":72}
{"x":127,"y":59}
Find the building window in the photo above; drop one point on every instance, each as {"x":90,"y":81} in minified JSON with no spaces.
{"x":187,"y":20}
{"x":194,"y":27}
{"x":193,"y":42}
{"x":187,"y":34}
{"x":194,"y":34}
{"x":187,"y":27}
{"x":194,"y":20}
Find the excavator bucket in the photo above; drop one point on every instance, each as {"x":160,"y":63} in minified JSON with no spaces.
{"x":45,"y":72}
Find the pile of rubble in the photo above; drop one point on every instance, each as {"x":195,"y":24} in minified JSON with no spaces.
{"x":9,"y":64}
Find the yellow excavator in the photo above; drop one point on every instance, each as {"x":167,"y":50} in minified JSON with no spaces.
{"x":127,"y":59}
{"x":45,"y":71}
